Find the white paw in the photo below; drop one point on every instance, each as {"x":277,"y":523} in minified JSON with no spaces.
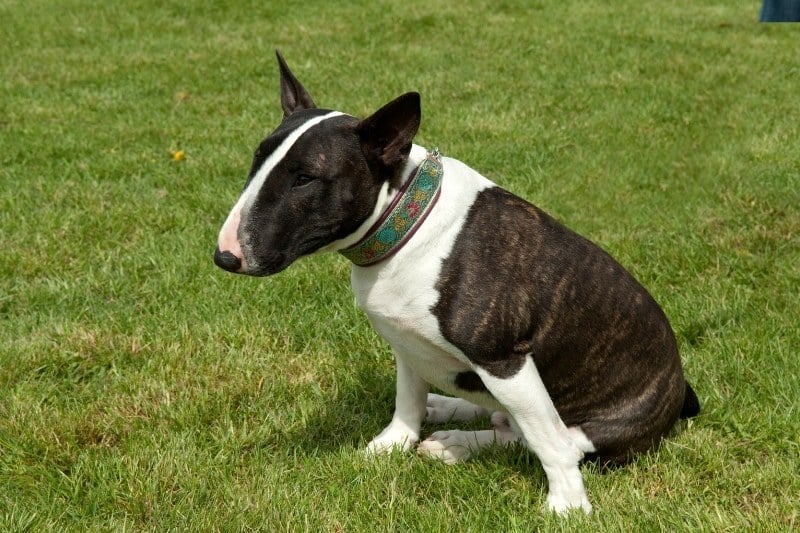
{"x":562,"y":503}
{"x":566,"y":490}
{"x":501,"y":421}
{"x":389,"y":441}
{"x":448,"y":446}
{"x":441,"y":409}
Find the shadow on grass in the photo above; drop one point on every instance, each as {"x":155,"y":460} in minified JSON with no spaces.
{"x":360,"y":406}
{"x":363,"y":405}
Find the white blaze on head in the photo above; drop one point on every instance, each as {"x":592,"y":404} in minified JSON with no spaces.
{"x":228,"y":240}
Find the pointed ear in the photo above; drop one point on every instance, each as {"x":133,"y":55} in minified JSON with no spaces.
{"x":387,"y":134}
{"x":293,"y":95}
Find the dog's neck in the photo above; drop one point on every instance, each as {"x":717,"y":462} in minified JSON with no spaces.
{"x":403,"y":215}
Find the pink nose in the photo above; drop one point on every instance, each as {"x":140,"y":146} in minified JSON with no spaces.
{"x":229,"y":254}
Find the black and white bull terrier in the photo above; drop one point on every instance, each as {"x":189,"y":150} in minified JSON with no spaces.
{"x":479,"y":293}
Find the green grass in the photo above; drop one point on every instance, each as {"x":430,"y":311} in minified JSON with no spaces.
{"x":141,"y":388}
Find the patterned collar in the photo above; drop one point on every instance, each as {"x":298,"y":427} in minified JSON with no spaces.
{"x":403,"y":217}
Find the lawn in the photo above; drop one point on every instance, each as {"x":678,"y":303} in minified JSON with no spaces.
{"x":142,"y":388}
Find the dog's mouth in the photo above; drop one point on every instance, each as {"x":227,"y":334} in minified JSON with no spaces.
{"x":269,"y":263}
{"x":260,"y":272}
{"x":273,"y":265}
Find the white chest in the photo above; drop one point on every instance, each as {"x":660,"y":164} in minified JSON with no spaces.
{"x":398,"y":294}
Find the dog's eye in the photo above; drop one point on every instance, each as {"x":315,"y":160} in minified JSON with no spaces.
{"x":303,"y":179}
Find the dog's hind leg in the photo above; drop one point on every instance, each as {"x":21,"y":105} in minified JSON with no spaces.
{"x":454,"y":446}
{"x":533,"y":414}
{"x":441,"y":409}
{"x":581,"y":440}
{"x":403,"y":431}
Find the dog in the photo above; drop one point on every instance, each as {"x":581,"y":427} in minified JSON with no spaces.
{"x":479,"y":293}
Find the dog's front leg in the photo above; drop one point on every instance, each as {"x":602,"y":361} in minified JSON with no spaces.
{"x":410,"y":408}
{"x":534,"y":416}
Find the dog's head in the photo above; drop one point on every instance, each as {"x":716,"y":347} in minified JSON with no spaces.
{"x":315,"y":180}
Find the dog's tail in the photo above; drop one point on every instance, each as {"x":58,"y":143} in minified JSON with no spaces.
{"x":691,"y":405}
